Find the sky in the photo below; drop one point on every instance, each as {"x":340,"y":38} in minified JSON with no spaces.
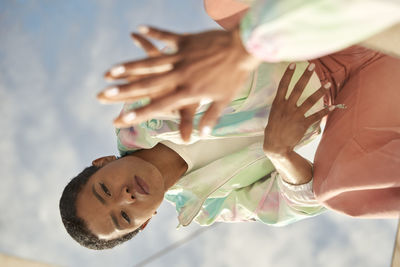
{"x":52,"y":58}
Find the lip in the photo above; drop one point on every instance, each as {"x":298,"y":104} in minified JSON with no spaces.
{"x":142,"y":187}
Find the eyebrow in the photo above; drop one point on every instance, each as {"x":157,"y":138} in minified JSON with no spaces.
{"x":100,"y":198}
{"x":115,"y":221}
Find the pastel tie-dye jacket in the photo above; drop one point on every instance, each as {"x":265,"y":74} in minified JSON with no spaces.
{"x":293,"y":30}
{"x":242,"y":186}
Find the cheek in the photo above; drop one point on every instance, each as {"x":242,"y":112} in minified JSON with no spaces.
{"x":153,"y":203}
{"x":156,"y":179}
{"x":146,"y":209}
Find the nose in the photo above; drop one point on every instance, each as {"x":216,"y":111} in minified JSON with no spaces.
{"x":126,"y":196}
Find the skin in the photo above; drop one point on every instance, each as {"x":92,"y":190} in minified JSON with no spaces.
{"x":160,"y":167}
{"x":287,"y":125}
{"x":188,"y":80}
{"x":226,"y":13}
{"x":112,"y":202}
{"x":195,"y":53}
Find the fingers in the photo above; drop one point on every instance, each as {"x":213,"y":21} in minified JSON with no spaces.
{"x":137,"y":96}
{"x":186,"y":125}
{"x":301,"y":84}
{"x":319,"y":115}
{"x":285,"y":81}
{"x":159,"y":34}
{"x":150,"y":86}
{"x":120,"y":71}
{"x":156,"y":108}
{"x":211,"y":116}
{"x":313,"y":99}
{"x":157,"y":64}
{"x":146,"y":45}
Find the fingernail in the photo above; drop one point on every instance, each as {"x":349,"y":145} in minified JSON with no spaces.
{"x":205,"y":131}
{"x":143,"y":29}
{"x":311,"y":67}
{"x":327,"y":85}
{"x":111,"y":91}
{"x":205,"y":101}
{"x":331,"y":108}
{"x":117,"y":70}
{"x":292,"y":66}
{"x":129,"y":117}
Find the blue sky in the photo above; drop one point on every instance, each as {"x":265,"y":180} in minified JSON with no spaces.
{"x":52,"y":57}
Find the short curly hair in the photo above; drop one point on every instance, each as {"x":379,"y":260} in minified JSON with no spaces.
{"x":75,"y":226}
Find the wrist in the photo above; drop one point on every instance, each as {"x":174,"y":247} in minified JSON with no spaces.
{"x":277,"y":152}
{"x":248,"y":61}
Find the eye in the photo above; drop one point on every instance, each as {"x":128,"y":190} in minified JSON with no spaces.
{"x":125,"y":216}
{"x":105,"y":189}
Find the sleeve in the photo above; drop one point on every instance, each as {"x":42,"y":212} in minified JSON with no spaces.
{"x":138,"y":136}
{"x":295,"y":30}
{"x":134,"y":138}
{"x":270,"y":200}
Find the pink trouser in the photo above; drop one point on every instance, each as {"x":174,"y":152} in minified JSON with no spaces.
{"x":357,"y":164}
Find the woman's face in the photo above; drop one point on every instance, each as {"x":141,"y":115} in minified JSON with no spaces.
{"x":120,"y":197}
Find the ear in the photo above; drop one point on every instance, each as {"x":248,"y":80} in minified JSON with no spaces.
{"x":100,"y":162}
{"x":144,"y":224}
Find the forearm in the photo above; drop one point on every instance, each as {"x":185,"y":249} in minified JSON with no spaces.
{"x":293,"y":168}
{"x":246,"y":60}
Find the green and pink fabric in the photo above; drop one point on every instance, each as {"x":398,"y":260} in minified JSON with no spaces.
{"x":357,"y":165}
{"x":242,"y":186}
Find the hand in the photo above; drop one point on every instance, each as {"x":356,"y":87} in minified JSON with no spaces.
{"x":211,"y":66}
{"x":187,"y":112}
{"x":287,"y":123}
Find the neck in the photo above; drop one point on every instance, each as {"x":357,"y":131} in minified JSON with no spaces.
{"x":168,"y":162}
